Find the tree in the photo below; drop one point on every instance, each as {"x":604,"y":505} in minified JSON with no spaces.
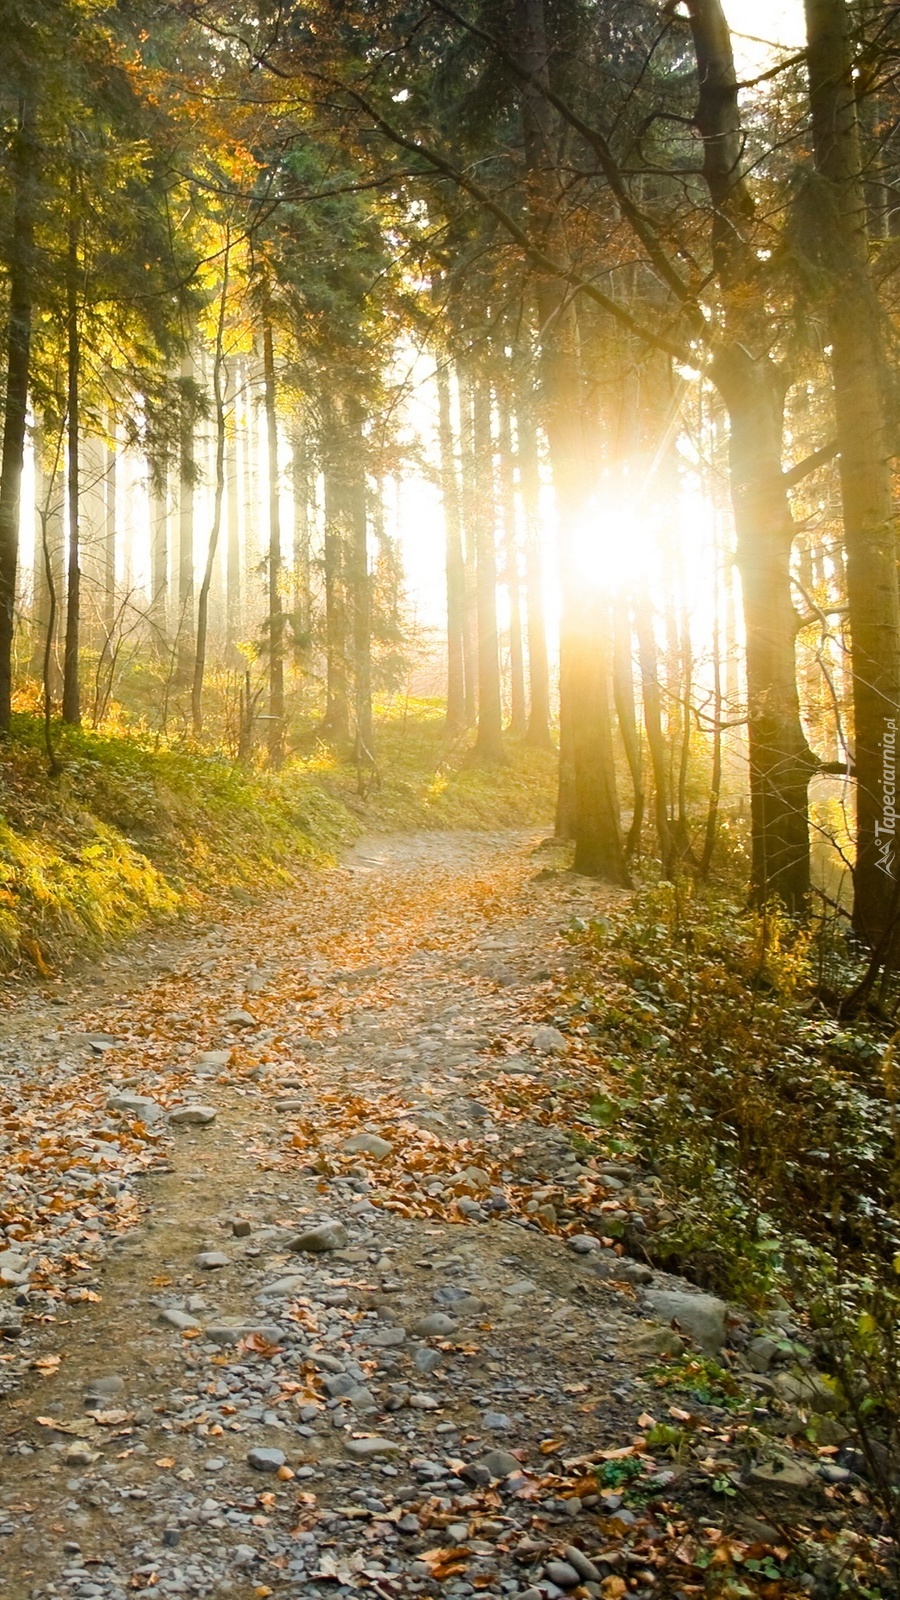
{"x":834,"y":204}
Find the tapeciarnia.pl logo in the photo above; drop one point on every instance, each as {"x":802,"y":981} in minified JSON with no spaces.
{"x":887,"y":827}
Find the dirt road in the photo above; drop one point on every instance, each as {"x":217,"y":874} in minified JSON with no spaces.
{"x":293,"y":1303}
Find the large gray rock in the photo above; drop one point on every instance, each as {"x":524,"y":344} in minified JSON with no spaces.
{"x":549,"y":1042}
{"x":436,"y":1325}
{"x":371,"y":1448}
{"x":192,"y":1116}
{"x":231,"y":1333}
{"x":499,"y":1463}
{"x":182,"y":1320}
{"x":265,"y":1460}
{"x":210,"y":1260}
{"x":368,"y":1144}
{"x":139,"y":1106}
{"x":316,"y":1241}
{"x":702,"y":1316}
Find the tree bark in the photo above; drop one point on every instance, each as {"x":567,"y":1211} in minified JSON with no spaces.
{"x":858,"y":372}
{"x":20,"y":265}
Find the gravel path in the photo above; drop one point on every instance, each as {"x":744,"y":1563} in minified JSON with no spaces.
{"x":323,"y":1305}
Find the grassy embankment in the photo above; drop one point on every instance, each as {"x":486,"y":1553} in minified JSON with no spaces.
{"x":133,"y":831}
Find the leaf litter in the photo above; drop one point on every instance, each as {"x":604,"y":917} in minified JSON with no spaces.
{"x":304,"y":1019}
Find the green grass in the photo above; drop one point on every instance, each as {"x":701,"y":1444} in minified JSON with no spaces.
{"x":134,"y":830}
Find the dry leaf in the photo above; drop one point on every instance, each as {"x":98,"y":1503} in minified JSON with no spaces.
{"x":47,"y":1364}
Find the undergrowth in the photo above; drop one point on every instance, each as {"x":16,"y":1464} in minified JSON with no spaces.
{"x":773,"y":1124}
{"x":133,"y":829}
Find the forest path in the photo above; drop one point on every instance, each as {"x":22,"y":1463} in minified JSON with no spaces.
{"x":447,"y":1397}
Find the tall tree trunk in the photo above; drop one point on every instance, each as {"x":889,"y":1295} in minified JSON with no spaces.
{"x":469,"y":507}
{"x":110,"y":498}
{"x":489,"y":736}
{"x":656,"y":744}
{"x":302,"y":494}
{"x":186,"y":475}
{"x":623,"y":693}
{"x":587,"y":772}
{"x":781,"y":762}
{"x":218,"y":385}
{"x":20,"y":266}
{"x":71,"y":699}
{"x":752,"y":388}
{"x":336,"y":722}
{"x":49,"y":557}
{"x":518,"y":710}
{"x":361,"y":593}
{"x":276,"y":611}
{"x":858,"y":371}
{"x":232,"y":483}
{"x":538,"y":733}
{"x":159,"y":557}
{"x":454,"y":559}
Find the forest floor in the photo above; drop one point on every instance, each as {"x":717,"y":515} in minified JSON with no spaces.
{"x":457,"y":1387}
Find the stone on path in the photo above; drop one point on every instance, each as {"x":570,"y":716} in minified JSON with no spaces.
{"x":499,"y":1463}
{"x":136,"y":1105}
{"x":700,"y":1315}
{"x":240,"y":1019}
{"x":368,"y":1144}
{"x":183,"y":1320}
{"x":371,"y":1448}
{"x":192,"y":1116}
{"x":209,"y":1260}
{"x":437,"y":1323}
{"x":549,"y":1042}
{"x":316,"y":1241}
{"x":265,"y":1460}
